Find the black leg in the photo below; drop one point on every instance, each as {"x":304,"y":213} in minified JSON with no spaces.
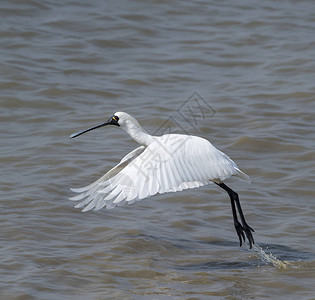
{"x":240,"y":229}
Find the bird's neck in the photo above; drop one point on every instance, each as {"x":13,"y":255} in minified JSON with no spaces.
{"x":138,"y":133}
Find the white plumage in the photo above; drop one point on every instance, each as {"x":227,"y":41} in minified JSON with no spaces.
{"x":162,"y":164}
{"x":168,"y":163}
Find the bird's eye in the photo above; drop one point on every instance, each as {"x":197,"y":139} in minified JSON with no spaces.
{"x":115,"y":118}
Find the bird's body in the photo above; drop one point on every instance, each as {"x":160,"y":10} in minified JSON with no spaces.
{"x":168,"y":163}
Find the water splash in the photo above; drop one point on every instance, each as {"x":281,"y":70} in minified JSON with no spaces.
{"x":270,"y":258}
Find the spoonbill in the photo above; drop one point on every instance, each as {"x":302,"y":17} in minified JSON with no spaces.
{"x":167,"y":163}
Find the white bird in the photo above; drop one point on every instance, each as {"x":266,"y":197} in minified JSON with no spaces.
{"x":167,"y":163}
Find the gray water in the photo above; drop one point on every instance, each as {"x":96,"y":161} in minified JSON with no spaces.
{"x":239,"y":73}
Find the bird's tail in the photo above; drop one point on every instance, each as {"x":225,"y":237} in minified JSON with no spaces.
{"x":240,"y":174}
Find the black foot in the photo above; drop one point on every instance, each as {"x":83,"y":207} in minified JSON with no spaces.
{"x":241,"y":235}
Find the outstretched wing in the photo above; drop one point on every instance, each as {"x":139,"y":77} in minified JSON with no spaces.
{"x":170,"y":163}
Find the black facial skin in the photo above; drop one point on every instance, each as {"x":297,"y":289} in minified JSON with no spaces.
{"x":114,"y":120}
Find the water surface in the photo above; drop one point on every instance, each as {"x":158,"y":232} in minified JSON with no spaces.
{"x":68,"y":66}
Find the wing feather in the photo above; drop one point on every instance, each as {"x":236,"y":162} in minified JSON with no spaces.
{"x":166,"y":165}
{"x":164,"y":180}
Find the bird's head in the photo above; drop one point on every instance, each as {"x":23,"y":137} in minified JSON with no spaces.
{"x":119,"y":119}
